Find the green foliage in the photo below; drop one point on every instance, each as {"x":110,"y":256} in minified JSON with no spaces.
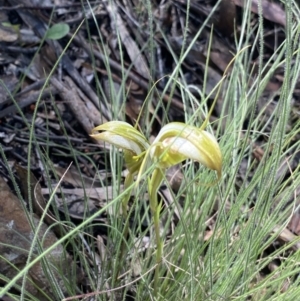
{"x":226,"y":236}
{"x":57,"y":31}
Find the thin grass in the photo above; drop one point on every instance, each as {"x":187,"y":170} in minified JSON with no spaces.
{"x":230,"y":263}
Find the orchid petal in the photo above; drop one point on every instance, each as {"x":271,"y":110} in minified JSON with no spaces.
{"x":178,"y":141}
{"x":123,"y":135}
{"x":137,"y":143}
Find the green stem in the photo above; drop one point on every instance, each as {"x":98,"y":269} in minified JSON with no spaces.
{"x":122,"y":247}
{"x":154,"y":184}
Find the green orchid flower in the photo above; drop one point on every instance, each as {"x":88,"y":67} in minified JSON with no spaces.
{"x":126,"y":137}
{"x":175,"y":143}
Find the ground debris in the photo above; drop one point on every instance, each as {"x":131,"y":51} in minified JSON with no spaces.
{"x":16,"y":241}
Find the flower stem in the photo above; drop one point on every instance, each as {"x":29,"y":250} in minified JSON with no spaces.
{"x":122,"y":246}
{"x":154,"y":184}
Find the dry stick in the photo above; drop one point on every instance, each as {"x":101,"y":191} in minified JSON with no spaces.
{"x":38,"y":202}
{"x":30,"y":99}
{"x":176,"y":103}
{"x":40,"y":28}
{"x":22,"y":102}
{"x":44,"y":7}
{"x":70,"y":96}
{"x":130,"y":45}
